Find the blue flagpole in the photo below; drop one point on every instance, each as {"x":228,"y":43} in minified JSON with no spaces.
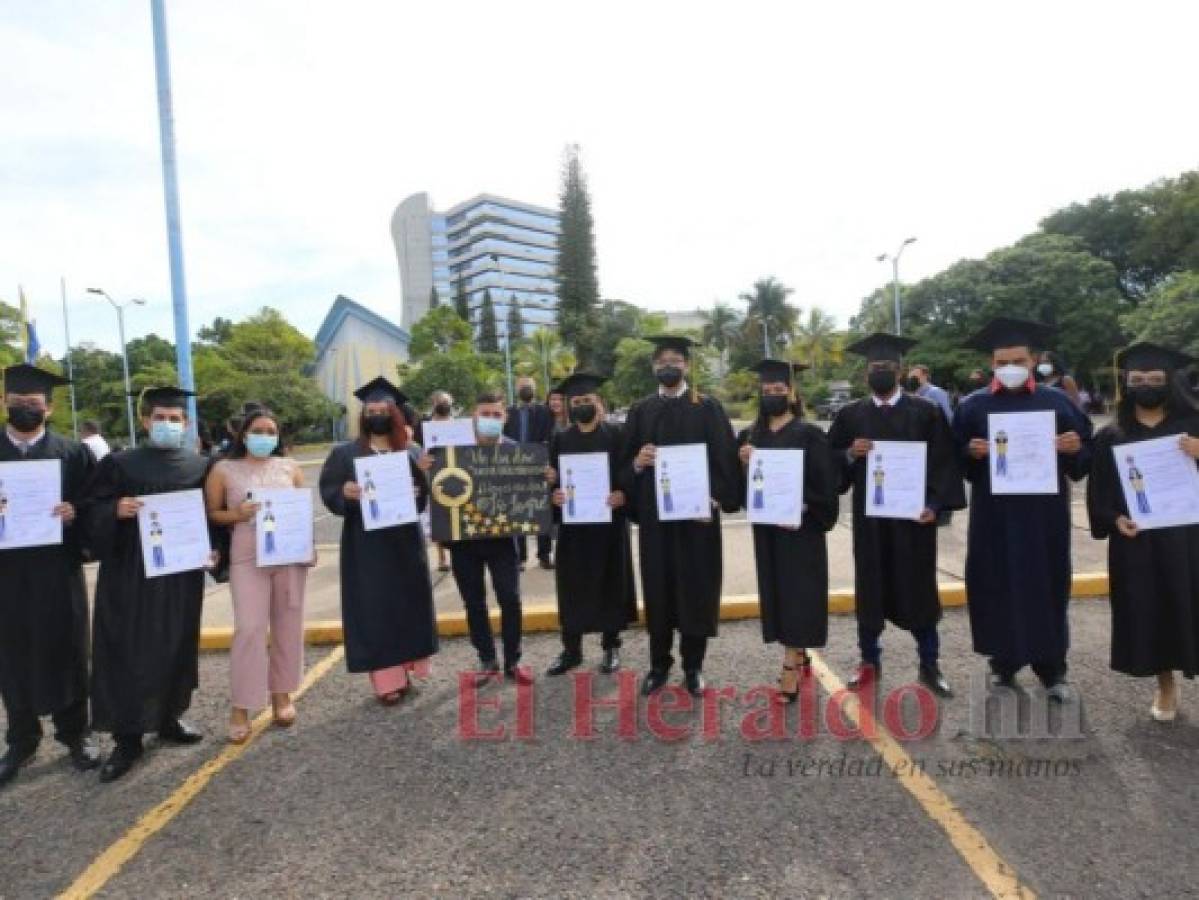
{"x":170,"y":187}
{"x":66,"y":327}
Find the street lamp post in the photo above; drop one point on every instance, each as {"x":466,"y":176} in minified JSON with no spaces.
{"x":120,"y":308}
{"x":495,"y":258}
{"x":895,"y":278}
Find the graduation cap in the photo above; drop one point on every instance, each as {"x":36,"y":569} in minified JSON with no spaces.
{"x":165,"y":396}
{"x":1005,"y":332}
{"x":1146,"y":357}
{"x":579,"y":383}
{"x":26,"y":379}
{"x":882,"y":346}
{"x":778,"y":371}
{"x":381,"y":390}
{"x":678,"y":342}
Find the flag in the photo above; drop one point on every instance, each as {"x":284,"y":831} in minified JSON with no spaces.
{"x":32,"y":346}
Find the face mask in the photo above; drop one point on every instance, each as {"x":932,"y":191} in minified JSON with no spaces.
{"x":773,"y":405}
{"x":881,"y":381}
{"x":378,"y":425}
{"x":912,"y":384}
{"x":1045,"y":369}
{"x":1012,"y":377}
{"x":24,"y":419}
{"x":583,"y":413}
{"x":489,"y":428}
{"x":261,"y":445}
{"x":1149,"y":396}
{"x":525,"y":394}
{"x":441,"y":409}
{"x":669,"y":376}
{"x":166,"y":435}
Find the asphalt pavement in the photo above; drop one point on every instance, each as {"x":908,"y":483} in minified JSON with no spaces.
{"x":359,"y":800}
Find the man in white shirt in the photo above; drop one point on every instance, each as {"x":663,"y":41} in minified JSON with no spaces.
{"x":89,"y":433}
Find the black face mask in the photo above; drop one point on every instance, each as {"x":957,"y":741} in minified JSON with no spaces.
{"x":441,"y":409}
{"x":525,"y":394}
{"x":1149,"y":396}
{"x":669,"y":376}
{"x":774,"y":405}
{"x":881,"y":381}
{"x":584,"y":413}
{"x":378,"y":425}
{"x":24,"y":419}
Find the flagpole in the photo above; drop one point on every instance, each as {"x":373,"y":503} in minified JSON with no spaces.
{"x":66,"y":326}
{"x":24,"y":329}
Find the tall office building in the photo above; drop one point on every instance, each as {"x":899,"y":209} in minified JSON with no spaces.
{"x":484,"y":244}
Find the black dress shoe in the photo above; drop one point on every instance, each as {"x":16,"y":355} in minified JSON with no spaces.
{"x":997,"y":680}
{"x":611,"y":661}
{"x":694,"y":683}
{"x":84,"y":753}
{"x":563,"y":664}
{"x":932,"y":678}
{"x":12,"y":761}
{"x":120,"y":761}
{"x":520,"y":674}
{"x":176,"y":731}
{"x":654,"y":681}
{"x":487,"y":672}
{"x":868,"y":675}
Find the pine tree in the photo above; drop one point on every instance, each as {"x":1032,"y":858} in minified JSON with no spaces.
{"x":516,"y":325}
{"x":434,"y":298}
{"x":461,"y":303}
{"x":578,"y":283}
{"x":489,"y":341}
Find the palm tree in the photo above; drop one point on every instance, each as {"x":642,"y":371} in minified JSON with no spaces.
{"x":768,"y":307}
{"x":816,"y":338}
{"x":722,"y":324}
{"x":542,"y":351}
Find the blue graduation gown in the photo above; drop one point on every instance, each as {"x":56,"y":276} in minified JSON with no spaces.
{"x":1018,"y":565}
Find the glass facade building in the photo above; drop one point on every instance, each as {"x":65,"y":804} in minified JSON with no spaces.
{"x":485,"y":244}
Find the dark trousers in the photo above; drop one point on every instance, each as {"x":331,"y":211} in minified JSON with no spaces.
{"x":928,"y":644}
{"x":25,"y":728}
{"x":545,"y":544}
{"x":468,"y":560}
{"x":1048,"y":672}
{"x":691,"y":647}
{"x":573,"y":643}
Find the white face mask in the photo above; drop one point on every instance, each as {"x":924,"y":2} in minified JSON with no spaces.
{"x":1012,"y":377}
{"x":1046,"y":369}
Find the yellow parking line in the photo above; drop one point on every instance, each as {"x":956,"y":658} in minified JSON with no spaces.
{"x":108,"y":863}
{"x":976,"y":851}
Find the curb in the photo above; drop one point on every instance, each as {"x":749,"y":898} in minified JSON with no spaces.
{"x":544,"y":616}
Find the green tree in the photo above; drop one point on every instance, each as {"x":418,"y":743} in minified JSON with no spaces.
{"x":216,"y":333}
{"x":577,"y":278}
{"x":619,"y":320}
{"x":438,"y":331}
{"x":460,"y":371}
{"x":489,"y":340}
{"x":515,"y":324}
{"x":721,"y":326}
{"x":543,"y":354}
{"x":1169,"y":315}
{"x":768,"y":307}
{"x":816,"y":340}
{"x":461,"y":301}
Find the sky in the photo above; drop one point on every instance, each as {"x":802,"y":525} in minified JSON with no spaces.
{"x":722,"y":142}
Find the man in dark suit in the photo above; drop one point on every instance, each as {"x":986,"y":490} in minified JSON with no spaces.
{"x":530,"y":422}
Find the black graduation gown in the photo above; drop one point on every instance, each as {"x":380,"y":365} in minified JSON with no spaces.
{"x":594,"y":564}
{"x":146,"y":638}
{"x":1018,"y":565}
{"x":793,"y":564}
{"x":386,"y":593}
{"x":43,"y":599}
{"x":681,"y":563}
{"x":895,"y":562}
{"x":1154,"y":576}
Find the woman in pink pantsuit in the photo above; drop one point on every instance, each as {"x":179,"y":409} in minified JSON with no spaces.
{"x":269,"y":599}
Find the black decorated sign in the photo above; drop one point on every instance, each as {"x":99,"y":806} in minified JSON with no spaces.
{"x":489,"y":492}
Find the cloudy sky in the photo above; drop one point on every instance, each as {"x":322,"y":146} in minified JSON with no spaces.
{"x":723,"y":141}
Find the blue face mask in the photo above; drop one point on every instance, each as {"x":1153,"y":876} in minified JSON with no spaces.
{"x":261,"y":445}
{"x":489,"y":428}
{"x":166,"y":435}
